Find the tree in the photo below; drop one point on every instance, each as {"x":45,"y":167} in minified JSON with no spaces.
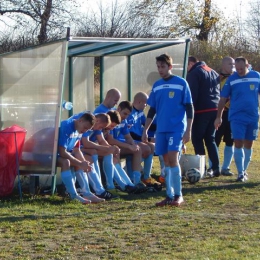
{"x":181,"y":17}
{"x":253,"y":25}
{"x":39,"y":17}
{"x":115,"y":20}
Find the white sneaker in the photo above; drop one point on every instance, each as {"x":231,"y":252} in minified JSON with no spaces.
{"x":94,"y":199}
{"x":82,"y":200}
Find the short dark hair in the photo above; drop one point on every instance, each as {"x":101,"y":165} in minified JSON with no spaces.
{"x":88,"y":117}
{"x":104,"y":118}
{"x":114,"y":116}
{"x":192,"y":59}
{"x":126,"y":105}
{"x":240,"y":58}
{"x":165,"y":58}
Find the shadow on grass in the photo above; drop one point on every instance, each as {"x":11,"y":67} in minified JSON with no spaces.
{"x":60,"y":198}
{"x":219,"y":185}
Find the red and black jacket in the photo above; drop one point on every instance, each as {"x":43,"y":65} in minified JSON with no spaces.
{"x":204,"y":84}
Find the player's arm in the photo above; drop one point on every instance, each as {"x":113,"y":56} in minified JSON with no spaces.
{"x":92,"y":145}
{"x":149,"y":119}
{"x":101,"y":140}
{"x":221,"y":106}
{"x":129,"y":139}
{"x":89,"y":144}
{"x":190,"y":115}
{"x":78,"y":162}
{"x":112,"y":141}
{"x":107,"y":147}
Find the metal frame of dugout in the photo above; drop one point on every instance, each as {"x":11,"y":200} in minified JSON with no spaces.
{"x":35,"y":81}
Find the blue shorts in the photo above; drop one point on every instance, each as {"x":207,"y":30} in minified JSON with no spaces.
{"x":166,"y":142}
{"x":244,"y":130}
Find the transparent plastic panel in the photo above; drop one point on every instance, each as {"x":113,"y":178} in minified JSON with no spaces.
{"x":83,"y":84}
{"x":144,"y":70}
{"x":30,"y":90}
{"x":115,"y":75}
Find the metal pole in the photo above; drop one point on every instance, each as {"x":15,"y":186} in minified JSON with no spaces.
{"x":71,"y":84}
{"x":17,"y":165}
{"x":101,"y":78}
{"x":186,"y":56}
{"x":129,"y":77}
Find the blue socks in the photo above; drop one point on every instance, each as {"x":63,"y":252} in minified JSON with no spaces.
{"x":136,"y":177}
{"x":95,"y":182}
{"x":129,"y":166}
{"x":168,"y":181}
{"x":228,"y":154}
{"x":96,"y":164}
{"x":108,"y":167}
{"x":239,"y":157}
{"x":148,"y":163}
{"x":69,"y":183}
{"x":125,"y":178}
{"x":162,"y":165}
{"x":176,"y":180}
{"x":83,"y":182}
{"x":173,"y":181}
{"x":248,"y":154}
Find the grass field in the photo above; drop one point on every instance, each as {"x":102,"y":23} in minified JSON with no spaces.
{"x":219,"y":220}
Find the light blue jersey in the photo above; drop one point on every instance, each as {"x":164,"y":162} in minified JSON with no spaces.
{"x":169,"y":98}
{"x":121,"y":130}
{"x":90,"y":133}
{"x":68,"y":135}
{"x":101,"y":109}
{"x":243,"y":93}
{"x":136,"y":121}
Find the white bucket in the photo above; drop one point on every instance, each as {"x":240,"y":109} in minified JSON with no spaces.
{"x":188,"y":161}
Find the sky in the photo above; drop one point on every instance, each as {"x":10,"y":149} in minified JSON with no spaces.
{"x":233,"y":7}
{"x":229,"y":7}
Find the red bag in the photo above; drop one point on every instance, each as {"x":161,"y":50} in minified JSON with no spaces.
{"x":11,"y":145}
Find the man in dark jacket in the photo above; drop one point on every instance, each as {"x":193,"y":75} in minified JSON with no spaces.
{"x":205,"y":89}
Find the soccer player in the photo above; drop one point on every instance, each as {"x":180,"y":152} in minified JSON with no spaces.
{"x":122,"y":138}
{"x":170,"y":99}
{"x":69,"y":154}
{"x":205,"y":88}
{"x":136,"y":120}
{"x":112,"y":97}
{"x":242,"y":87}
{"x":94,"y":142}
{"x":227,"y":68}
{"x":102,"y":121}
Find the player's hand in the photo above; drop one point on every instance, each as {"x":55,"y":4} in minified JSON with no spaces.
{"x":217,"y":123}
{"x":113,"y":149}
{"x":144,"y":137}
{"x":134,"y":147}
{"x":86,"y":166}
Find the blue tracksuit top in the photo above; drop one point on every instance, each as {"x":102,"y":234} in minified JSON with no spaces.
{"x":204,"y":85}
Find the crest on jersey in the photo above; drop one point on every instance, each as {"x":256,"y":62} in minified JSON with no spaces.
{"x":252,"y":86}
{"x":171,"y":94}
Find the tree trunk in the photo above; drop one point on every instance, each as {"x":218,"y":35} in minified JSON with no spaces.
{"x":207,"y":22}
{"x":42,"y":37}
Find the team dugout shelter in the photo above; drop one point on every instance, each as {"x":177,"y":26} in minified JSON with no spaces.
{"x":35,"y":81}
